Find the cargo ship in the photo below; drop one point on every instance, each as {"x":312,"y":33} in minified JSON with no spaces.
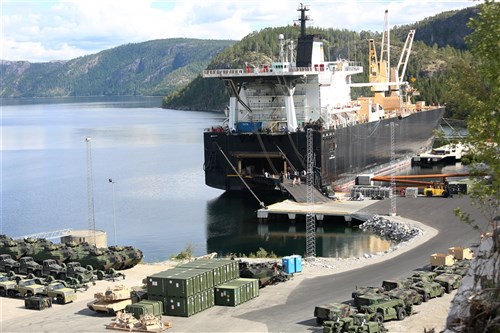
{"x":282,"y":112}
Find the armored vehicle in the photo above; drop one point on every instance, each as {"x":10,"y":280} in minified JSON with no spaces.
{"x":8,"y":264}
{"x":401,"y":289}
{"x":114,"y":299}
{"x":423,"y":276}
{"x":363,"y":291}
{"x":101,"y":259}
{"x":267,"y":273}
{"x":28,"y":288}
{"x":16,"y":249}
{"x":29,"y":266}
{"x":448,"y":281}
{"x":59,"y":293}
{"x":428,"y":290}
{"x":443,"y":269}
{"x":8,"y":286}
{"x":382,"y":308}
{"x":332,"y":311}
{"x":358,"y":322}
{"x":131,"y":256}
{"x":44,"y":249}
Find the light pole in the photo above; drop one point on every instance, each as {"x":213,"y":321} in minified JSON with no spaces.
{"x":114,"y":215}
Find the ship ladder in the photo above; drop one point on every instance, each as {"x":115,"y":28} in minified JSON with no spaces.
{"x":261,"y":203}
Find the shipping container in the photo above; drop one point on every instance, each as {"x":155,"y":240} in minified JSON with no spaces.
{"x":146,"y":306}
{"x":180,"y":282}
{"x":461,"y":252}
{"x":442,"y":259}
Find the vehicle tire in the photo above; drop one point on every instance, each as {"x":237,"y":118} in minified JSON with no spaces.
{"x":28,"y":294}
{"x":400,"y":312}
{"x":448,"y":288}
{"x":429,"y":193}
{"x":11,"y":293}
{"x":29,"y":271}
{"x":379,"y":317}
{"x":3,"y":293}
{"x":100,"y":275}
{"x":89,"y":268}
{"x":59,"y":299}
{"x":425,"y":297}
{"x":419,"y":300}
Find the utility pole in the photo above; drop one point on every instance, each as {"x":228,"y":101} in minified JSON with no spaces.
{"x":310,"y":218}
{"x":114,"y":215}
{"x":393,"y":167}
{"x":90,"y":191}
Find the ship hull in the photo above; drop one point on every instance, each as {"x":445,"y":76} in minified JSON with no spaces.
{"x":339,"y":155}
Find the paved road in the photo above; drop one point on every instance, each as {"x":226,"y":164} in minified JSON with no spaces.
{"x":296,"y":314}
{"x":292,"y":311}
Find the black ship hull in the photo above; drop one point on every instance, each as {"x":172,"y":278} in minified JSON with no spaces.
{"x":339,"y":155}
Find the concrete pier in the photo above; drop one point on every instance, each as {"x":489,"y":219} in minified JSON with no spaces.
{"x":333,"y":208}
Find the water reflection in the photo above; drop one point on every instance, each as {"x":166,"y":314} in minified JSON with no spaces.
{"x":237,"y":230}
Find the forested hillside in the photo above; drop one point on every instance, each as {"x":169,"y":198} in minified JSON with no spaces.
{"x":434,"y":50}
{"x":156,"y":67}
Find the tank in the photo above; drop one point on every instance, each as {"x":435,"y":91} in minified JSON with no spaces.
{"x":114,"y":299}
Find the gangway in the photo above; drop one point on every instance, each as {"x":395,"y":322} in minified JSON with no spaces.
{"x":47,"y":235}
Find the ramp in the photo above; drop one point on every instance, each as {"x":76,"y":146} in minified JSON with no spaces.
{"x":299,"y":192}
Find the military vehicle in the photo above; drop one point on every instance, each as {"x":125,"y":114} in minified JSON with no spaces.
{"x":332,"y":311}
{"x":383,"y":308}
{"x":50,"y":267}
{"x":401,"y":289}
{"x":8,"y":286}
{"x":29,"y":266}
{"x":358,"y":322}
{"x":16,"y":249}
{"x":448,"y":281}
{"x":267,"y":273}
{"x":8,"y":264}
{"x":101,"y":259}
{"x":131,"y":256}
{"x":115,"y":299}
{"x":59,"y":293}
{"x":363,"y":291}
{"x":461,"y":267}
{"x":28,"y":288}
{"x":45,"y":249}
{"x":443,"y":269}
{"x":424,"y":276}
{"x":37,"y":302}
{"x":83,"y":275}
{"x":428,"y":290}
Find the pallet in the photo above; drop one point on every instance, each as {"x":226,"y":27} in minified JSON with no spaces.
{"x":166,"y":325}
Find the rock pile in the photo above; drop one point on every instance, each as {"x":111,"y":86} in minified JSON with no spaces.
{"x":391,"y":230}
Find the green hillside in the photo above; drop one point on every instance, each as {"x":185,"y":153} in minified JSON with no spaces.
{"x":154,"y":68}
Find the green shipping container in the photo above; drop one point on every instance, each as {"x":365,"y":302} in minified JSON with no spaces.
{"x":223,"y":270}
{"x":227,"y":295}
{"x":180,"y":282}
{"x":146,"y":306}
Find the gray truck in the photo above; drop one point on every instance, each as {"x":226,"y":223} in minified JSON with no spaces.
{"x":8,"y":264}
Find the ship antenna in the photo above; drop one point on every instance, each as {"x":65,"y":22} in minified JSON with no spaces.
{"x":303,"y":18}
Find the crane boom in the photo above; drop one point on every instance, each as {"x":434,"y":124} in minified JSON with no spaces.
{"x":406,"y":51}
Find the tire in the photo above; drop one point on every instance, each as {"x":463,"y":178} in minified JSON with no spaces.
{"x":28,"y":294}
{"x":419,"y":299}
{"x":425,"y":297}
{"x":428,"y":193}
{"x":59,"y":299}
{"x":11,"y":293}
{"x":448,"y":288}
{"x":3,"y":293}
{"x":379,"y":317}
{"x":400,"y":312}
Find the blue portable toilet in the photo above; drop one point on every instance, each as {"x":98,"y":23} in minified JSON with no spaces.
{"x":288,"y":265}
{"x":298,"y":262}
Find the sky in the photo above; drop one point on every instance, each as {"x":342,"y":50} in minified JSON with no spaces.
{"x":48,"y":30}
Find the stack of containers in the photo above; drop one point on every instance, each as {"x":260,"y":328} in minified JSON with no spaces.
{"x":183,"y":291}
{"x":237,"y":291}
{"x":222,"y":270}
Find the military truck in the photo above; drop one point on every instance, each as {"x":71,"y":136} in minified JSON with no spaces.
{"x":50,"y":267}
{"x":382,"y":308}
{"x":428,"y":290}
{"x":83,"y":275}
{"x":59,"y":293}
{"x":332,"y":311}
{"x":28,"y":288}
{"x":29,"y":266}
{"x":365,"y":290}
{"x":8,"y":286}
{"x":8,"y":264}
{"x":449,"y":281}
{"x":424,"y":276}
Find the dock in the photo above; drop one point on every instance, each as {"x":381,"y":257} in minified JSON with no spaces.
{"x":325,"y":208}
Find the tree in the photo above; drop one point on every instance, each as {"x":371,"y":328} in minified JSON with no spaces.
{"x":476,"y":87}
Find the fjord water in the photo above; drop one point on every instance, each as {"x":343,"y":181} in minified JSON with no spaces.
{"x":155,"y":159}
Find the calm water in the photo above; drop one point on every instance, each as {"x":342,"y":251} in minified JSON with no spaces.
{"x":155,"y":156}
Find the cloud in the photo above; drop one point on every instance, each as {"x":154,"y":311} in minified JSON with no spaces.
{"x":61,"y":30}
